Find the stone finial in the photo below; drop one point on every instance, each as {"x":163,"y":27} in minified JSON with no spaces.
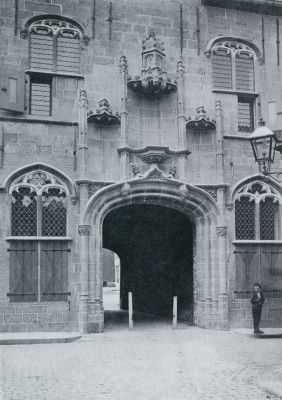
{"x":83,"y":102}
{"x":152,"y":43}
{"x":123,"y":66}
{"x":218,"y":108}
{"x":180,"y":69}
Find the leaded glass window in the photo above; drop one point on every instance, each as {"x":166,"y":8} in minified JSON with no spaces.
{"x":38,"y":205}
{"x":257,"y":212}
{"x":38,"y":263}
{"x":245,"y":218}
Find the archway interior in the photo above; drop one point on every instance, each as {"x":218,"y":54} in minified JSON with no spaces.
{"x":155,"y":247}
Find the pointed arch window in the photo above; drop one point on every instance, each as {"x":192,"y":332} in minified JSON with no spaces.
{"x":38,"y":251}
{"x":257,"y":212}
{"x":55,"y":46}
{"x":233,"y":69}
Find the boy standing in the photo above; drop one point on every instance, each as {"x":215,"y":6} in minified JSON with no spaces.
{"x":257,"y":301}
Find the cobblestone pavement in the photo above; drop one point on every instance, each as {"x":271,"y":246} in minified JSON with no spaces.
{"x":153,"y":362}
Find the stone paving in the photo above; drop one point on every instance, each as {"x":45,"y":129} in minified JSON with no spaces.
{"x":153,"y":362}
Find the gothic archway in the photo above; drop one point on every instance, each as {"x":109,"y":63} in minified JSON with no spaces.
{"x":209,"y":259}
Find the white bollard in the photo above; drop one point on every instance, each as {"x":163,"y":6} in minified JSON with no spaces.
{"x":130,"y":311}
{"x":174,"y":315}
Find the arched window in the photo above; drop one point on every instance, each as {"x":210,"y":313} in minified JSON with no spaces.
{"x":55,"y":45}
{"x":257,"y":212}
{"x":233,"y":69}
{"x":38,"y":251}
{"x":54,"y":49}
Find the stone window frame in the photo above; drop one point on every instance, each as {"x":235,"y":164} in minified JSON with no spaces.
{"x":267,"y":192}
{"x":236,"y":45}
{"x":44,"y":79}
{"x":40,"y":181}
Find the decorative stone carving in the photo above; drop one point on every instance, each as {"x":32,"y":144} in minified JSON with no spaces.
{"x":212,"y":191}
{"x":229,"y":206}
{"x":74,"y":200}
{"x":221,"y":230}
{"x":84,"y":230}
{"x":172,"y":172}
{"x":93,"y":189}
{"x":38,"y":181}
{"x":200,"y":121}
{"x":154,"y":154}
{"x":153,"y":80}
{"x":136,"y":171}
{"x":180,"y":69}
{"x":125,"y":190}
{"x":123,"y":66}
{"x":104,"y":114}
{"x":83,"y":102}
{"x":183,"y":191}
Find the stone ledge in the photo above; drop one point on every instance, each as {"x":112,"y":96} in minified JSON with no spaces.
{"x":38,"y":337}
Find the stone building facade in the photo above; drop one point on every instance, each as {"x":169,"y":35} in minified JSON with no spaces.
{"x":125,"y":125}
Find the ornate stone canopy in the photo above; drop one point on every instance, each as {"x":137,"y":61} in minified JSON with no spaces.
{"x":153,"y":79}
{"x":200,"y":121}
{"x":103,"y":114}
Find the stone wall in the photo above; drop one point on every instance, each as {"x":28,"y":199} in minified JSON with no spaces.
{"x":54,"y":140}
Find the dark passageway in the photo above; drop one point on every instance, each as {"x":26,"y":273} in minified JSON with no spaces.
{"x":154,"y":244}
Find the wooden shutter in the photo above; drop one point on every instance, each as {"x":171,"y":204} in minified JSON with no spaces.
{"x":244,"y":65}
{"x":12,"y":91}
{"x":41,"y":51}
{"x":40,"y":94}
{"x":222,"y":69}
{"x":54,"y":271}
{"x":23,"y":271}
{"x":247,"y":266}
{"x":68,"y":53}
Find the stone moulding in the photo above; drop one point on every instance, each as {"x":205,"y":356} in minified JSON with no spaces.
{"x":200,"y":121}
{"x":154,"y":154}
{"x":103,"y":114}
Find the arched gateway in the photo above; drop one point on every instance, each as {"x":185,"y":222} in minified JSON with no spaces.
{"x":209,"y":236}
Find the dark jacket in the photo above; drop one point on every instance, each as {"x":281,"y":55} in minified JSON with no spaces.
{"x":256,"y":301}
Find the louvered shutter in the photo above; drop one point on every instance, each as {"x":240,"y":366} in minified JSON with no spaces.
{"x":68,"y":53}
{"x":41,"y":51}
{"x":40,"y":94}
{"x":222,"y":69}
{"x":244,"y":65}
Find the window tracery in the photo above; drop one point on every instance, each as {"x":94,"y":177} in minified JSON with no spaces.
{"x":257,"y":212}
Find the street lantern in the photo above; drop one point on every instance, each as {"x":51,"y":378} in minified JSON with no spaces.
{"x":263,"y":142}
